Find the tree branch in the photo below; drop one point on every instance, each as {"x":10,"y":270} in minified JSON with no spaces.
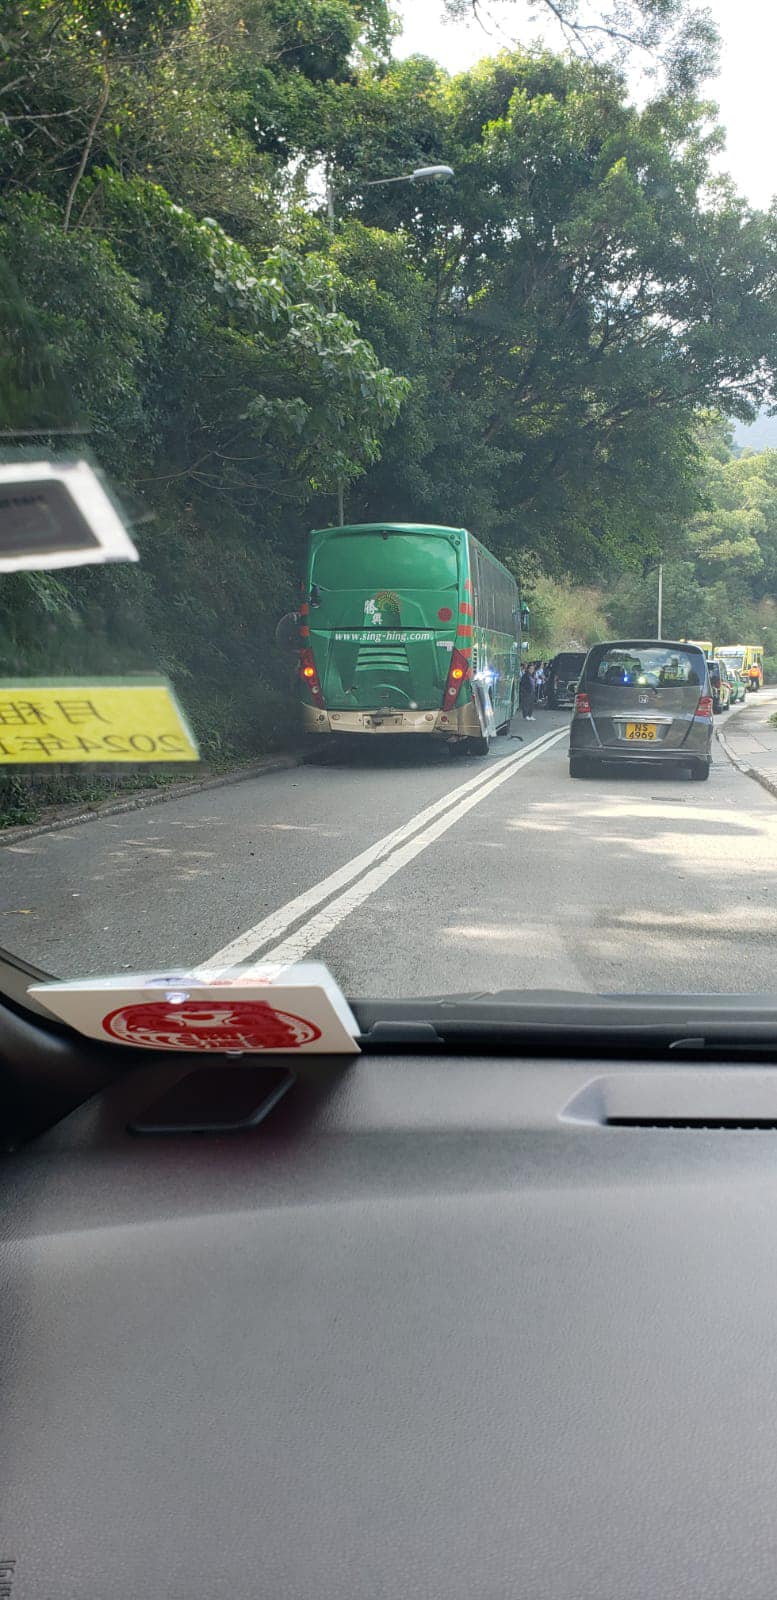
{"x":85,"y":153}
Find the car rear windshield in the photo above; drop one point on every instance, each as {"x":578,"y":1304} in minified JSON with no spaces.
{"x":714,"y":670}
{"x":657,"y":666}
{"x":569,"y":666}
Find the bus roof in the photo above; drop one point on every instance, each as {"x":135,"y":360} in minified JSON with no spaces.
{"x":390,"y":527}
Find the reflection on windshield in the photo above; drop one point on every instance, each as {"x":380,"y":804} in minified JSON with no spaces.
{"x":657,"y":667}
{"x":427,"y":418}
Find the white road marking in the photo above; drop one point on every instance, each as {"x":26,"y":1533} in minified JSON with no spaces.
{"x":278,"y":922}
{"x":372,"y":868}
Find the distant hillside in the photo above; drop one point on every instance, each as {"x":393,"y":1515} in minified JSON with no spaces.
{"x":759,"y":435}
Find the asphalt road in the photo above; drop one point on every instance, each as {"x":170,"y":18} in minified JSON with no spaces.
{"x":410,"y":872}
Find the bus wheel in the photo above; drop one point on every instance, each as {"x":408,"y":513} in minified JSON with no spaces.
{"x":479,"y":745}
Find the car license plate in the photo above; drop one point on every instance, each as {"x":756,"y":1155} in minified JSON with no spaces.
{"x":641,"y":730}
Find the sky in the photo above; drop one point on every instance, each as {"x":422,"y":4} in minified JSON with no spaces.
{"x":744,"y":89}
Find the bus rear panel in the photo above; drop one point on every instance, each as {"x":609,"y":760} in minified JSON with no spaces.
{"x":390,"y":643}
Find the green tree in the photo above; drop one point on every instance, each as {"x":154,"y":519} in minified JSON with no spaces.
{"x":589,"y":288}
{"x":205,"y":368}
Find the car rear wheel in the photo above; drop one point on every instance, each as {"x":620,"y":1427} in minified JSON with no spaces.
{"x":700,"y":771}
{"x":579,"y":767}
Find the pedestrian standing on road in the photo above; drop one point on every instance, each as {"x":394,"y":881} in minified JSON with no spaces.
{"x":526,"y":694}
{"x":539,"y":683}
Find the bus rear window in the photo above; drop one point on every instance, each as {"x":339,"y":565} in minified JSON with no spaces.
{"x":370,"y":561}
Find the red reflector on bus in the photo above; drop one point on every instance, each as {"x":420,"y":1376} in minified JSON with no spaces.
{"x":460,"y":669}
{"x":309,"y":673}
{"x":445,"y":614}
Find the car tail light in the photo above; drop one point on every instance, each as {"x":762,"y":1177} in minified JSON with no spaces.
{"x":309,"y":674}
{"x":704,"y":708}
{"x":459,"y":672}
{"x":582,"y":705}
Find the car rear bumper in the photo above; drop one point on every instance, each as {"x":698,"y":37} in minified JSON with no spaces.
{"x":584,"y":741}
{"x":608,"y":756}
{"x":461,"y":723}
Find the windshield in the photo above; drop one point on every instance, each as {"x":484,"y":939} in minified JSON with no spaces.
{"x":388,"y":401}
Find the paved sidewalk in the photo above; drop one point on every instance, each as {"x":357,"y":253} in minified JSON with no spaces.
{"x":748,"y":740}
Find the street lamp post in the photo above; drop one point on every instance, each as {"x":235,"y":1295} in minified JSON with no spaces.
{"x":418,"y":175}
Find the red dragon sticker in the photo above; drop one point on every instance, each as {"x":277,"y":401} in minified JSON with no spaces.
{"x":210,"y":1025}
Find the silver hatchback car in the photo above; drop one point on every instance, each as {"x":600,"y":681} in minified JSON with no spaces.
{"x":642,"y":700}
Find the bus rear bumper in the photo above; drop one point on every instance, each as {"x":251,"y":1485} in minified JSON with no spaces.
{"x":461,"y":723}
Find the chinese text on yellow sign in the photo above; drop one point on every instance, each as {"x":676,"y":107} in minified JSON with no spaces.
{"x":109,"y":719}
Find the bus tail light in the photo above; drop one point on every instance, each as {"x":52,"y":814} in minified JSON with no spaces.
{"x":459,"y":672}
{"x":582,"y":705}
{"x":309,"y":675}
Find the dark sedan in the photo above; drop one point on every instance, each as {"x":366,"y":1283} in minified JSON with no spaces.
{"x":562,"y":677}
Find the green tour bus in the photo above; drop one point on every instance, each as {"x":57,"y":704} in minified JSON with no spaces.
{"x":408,"y":629}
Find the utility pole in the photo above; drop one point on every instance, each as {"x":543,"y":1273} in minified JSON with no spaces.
{"x":660,"y":598}
{"x":330,"y":200}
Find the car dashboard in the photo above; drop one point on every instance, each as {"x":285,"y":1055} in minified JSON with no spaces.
{"x":451,"y":1326}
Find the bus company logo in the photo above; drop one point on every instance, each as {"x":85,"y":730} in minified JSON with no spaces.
{"x":382,"y":611}
{"x":210,"y":1025}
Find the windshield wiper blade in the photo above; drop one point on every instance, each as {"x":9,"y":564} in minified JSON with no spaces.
{"x":644,"y":1024}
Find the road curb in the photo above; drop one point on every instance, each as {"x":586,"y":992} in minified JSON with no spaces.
{"x":152,"y":797}
{"x":769,"y":784}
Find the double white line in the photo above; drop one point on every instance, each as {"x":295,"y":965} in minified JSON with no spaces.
{"x":367,"y":872}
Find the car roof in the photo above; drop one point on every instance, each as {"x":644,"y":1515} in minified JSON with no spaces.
{"x":644,"y":644}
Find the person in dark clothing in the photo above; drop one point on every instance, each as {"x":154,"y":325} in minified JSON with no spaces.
{"x":526,"y":694}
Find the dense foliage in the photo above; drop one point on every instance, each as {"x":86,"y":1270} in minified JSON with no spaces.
{"x":525,"y":348}
{"x":720,"y":581}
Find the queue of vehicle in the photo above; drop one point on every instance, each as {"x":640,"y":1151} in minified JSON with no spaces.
{"x":411,"y":628}
{"x":735,"y":669}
